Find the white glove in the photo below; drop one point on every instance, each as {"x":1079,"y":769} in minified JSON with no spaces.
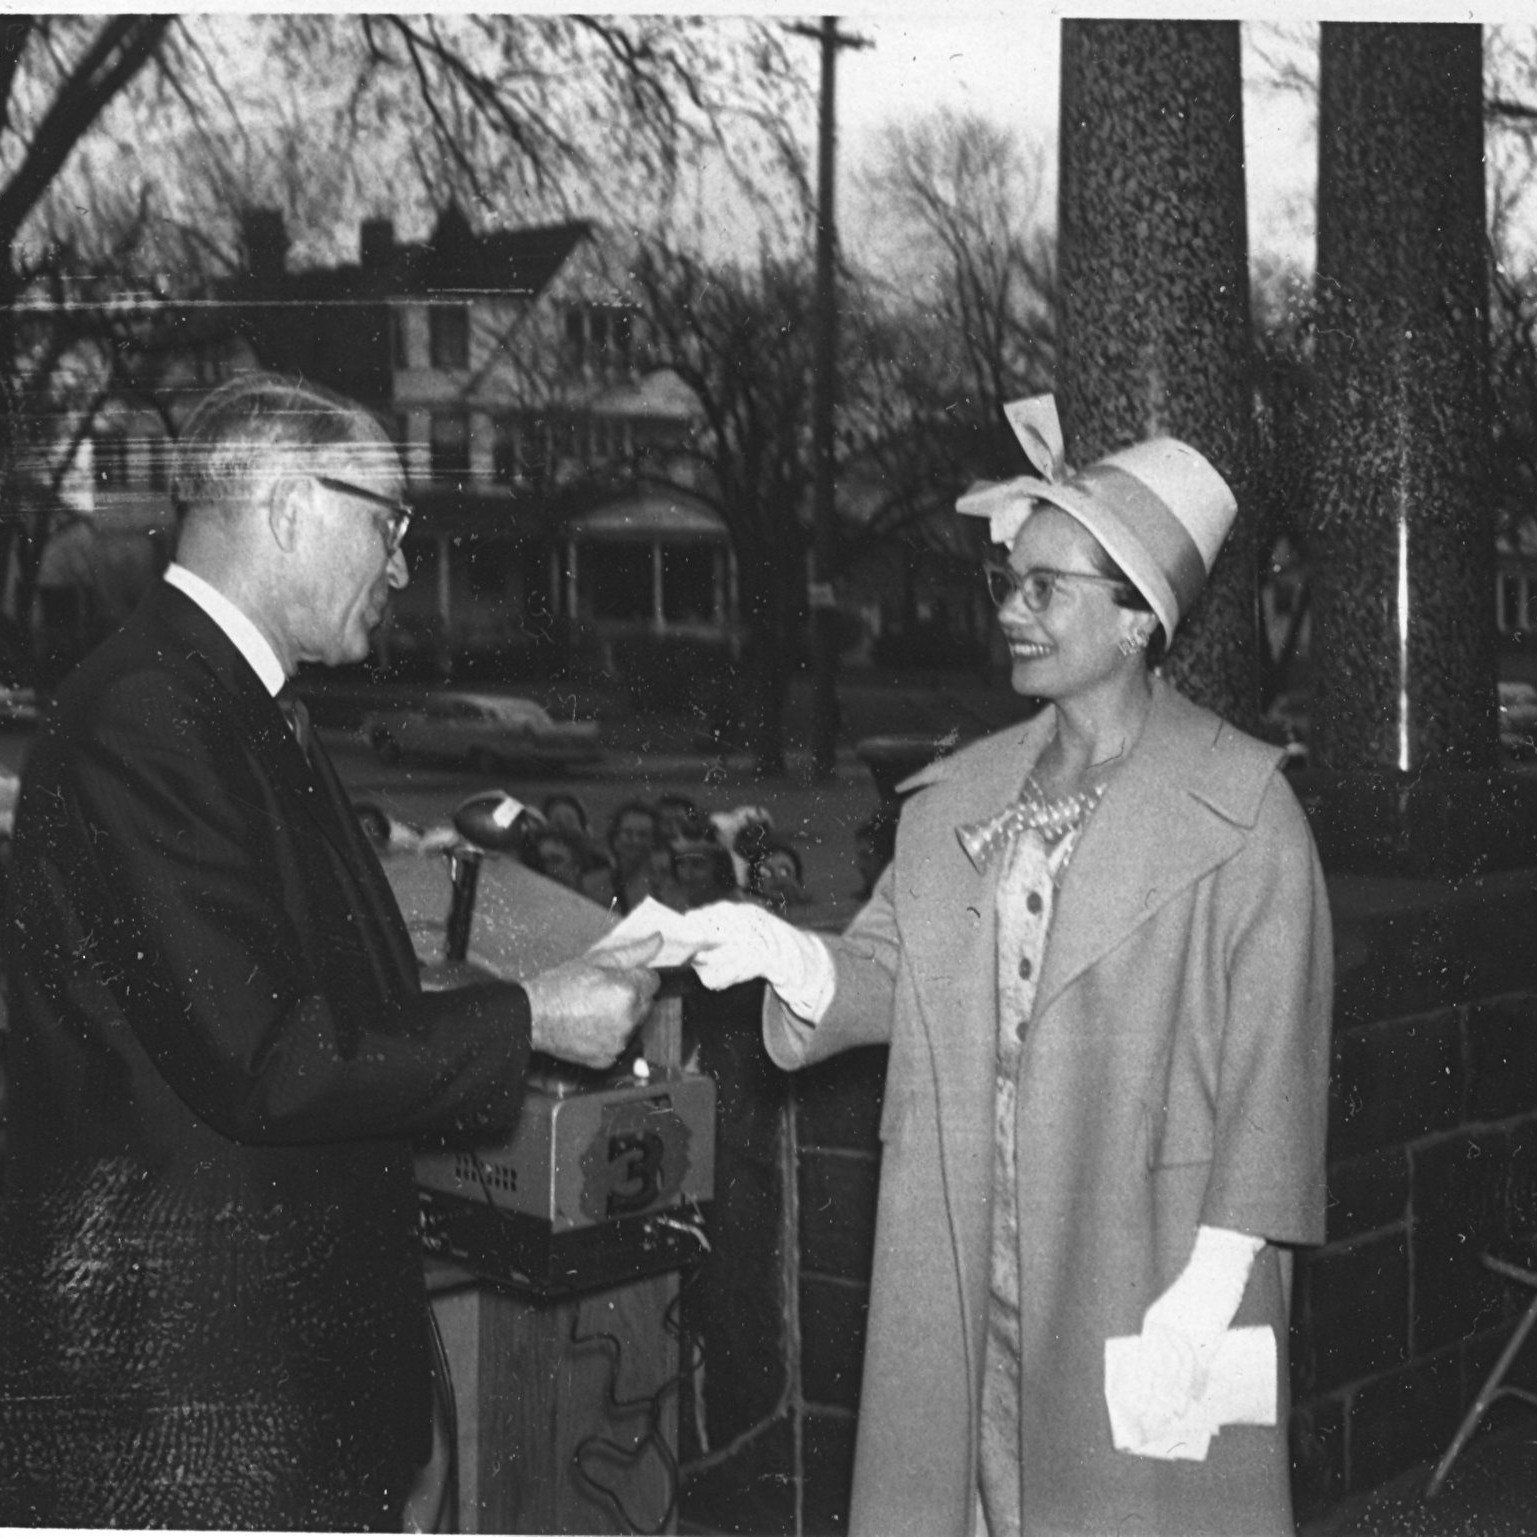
{"x":1182,"y":1329}
{"x":738,"y":941}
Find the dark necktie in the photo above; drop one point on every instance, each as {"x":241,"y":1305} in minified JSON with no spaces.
{"x":297,"y":714}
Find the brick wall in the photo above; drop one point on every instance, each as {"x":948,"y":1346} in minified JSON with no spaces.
{"x":1433,"y":1160}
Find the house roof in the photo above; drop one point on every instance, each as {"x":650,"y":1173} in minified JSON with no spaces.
{"x":453,"y":260}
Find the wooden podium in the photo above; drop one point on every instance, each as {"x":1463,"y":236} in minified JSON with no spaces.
{"x":554,"y":1402}
{"x":557,"y":1401}
{"x":539,"y":1431}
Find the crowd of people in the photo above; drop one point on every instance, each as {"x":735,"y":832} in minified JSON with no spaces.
{"x":670,"y":849}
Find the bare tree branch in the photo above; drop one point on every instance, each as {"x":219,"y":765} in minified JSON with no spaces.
{"x":121,"y":48}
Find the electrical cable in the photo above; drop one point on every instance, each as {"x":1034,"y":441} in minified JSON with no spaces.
{"x":691,"y":1359}
{"x":443,"y":1394}
{"x":651,"y":1405}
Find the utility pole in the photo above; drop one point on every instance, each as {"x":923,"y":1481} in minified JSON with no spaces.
{"x":819,"y":587}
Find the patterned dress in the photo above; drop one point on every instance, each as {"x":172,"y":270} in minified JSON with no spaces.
{"x":1033,"y":869}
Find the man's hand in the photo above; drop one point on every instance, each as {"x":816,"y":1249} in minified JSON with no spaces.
{"x":585,"y":1010}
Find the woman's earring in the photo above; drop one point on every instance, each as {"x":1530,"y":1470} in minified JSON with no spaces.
{"x":1130,"y":645}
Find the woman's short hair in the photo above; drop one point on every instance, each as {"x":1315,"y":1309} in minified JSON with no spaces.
{"x":631,"y":808}
{"x":559,"y":836}
{"x":565,"y":798}
{"x":1129,"y":596}
{"x":697,"y":840}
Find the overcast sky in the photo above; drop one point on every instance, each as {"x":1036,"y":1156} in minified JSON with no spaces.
{"x":1004,"y":62}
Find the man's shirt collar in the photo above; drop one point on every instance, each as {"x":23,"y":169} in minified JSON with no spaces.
{"x":247,"y":639}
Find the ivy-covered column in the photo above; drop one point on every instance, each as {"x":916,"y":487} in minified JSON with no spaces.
{"x":1405,"y":773}
{"x":1154,"y":309}
{"x":1403,"y":573}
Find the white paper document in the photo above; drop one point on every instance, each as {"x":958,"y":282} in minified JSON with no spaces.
{"x":1241,"y":1390}
{"x":650,"y":919}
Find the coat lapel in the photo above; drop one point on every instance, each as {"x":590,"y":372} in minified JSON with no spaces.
{"x":1177,"y":810}
{"x":945,"y":908}
{"x":946,"y":912}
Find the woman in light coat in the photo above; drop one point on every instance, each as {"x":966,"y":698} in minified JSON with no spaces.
{"x":1102,"y":961}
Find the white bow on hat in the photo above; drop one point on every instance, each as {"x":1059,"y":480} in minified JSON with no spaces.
{"x":1006,"y":504}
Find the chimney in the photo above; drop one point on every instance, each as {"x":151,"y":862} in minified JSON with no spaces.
{"x":266,"y":243}
{"x":376,"y":242}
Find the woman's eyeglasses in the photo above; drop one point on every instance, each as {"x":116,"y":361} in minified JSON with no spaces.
{"x":1037,"y":586}
{"x":399,"y":512}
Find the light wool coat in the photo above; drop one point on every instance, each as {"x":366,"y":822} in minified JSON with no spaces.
{"x":1174,"y":1072}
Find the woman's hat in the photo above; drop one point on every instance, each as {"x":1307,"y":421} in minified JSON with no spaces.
{"x":1159,"y":508}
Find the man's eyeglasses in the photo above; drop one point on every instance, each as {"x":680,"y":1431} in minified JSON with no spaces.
{"x":1037,"y":586}
{"x":399,"y":512}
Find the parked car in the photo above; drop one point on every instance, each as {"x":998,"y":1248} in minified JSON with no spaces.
{"x":1518,"y":719}
{"x":483,"y":730}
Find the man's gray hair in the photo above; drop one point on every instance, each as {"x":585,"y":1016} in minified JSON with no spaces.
{"x":261,"y":425}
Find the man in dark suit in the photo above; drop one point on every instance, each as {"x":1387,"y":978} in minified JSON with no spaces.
{"x":211,"y":1298}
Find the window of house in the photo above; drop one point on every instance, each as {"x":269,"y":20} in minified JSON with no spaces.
{"x":535,"y":446}
{"x":449,"y":335}
{"x":492,"y":563}
{"x":157,"y":462}
{"x":576,"y":336}
{"x":400,"y":351}
{"x":1508,"y":603}
{"x":618,"y":580}
{"x":688,"y":583}
{"x":599,"y":336}
{"x":450,"y":446}
{"x":621,"y":330}
{"x":506,"y":450}
{"x":564,"y":443}
{"x":110,"y":456}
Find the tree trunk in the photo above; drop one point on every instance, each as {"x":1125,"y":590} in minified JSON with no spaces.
{"x":767,"y":662}
{"x":767,"y":689}
{"x":1154,"y":330}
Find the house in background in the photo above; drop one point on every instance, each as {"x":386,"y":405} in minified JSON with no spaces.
{"x":92,"y":482}
{"x":511,"y":372}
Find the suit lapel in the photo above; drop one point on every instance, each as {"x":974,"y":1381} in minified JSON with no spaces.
{"x":188,"y":629}
{"x":176,"y":622}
